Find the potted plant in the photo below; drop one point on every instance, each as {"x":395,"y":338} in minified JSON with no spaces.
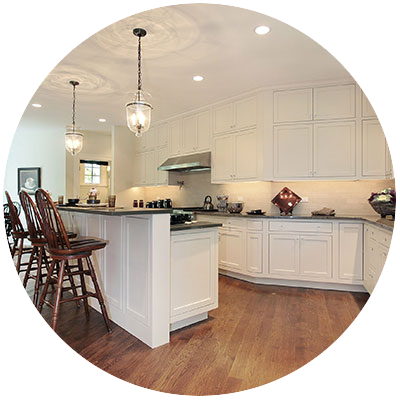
{"x":384,"y":202}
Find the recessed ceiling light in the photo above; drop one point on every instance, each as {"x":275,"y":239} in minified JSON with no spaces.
{"x":102,"y":120}
{"x":36,"y":105}
{"x":262,"y":30}
{"x":198,"y":78}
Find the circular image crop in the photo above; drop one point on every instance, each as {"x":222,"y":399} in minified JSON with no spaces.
{"x":200,"y":199}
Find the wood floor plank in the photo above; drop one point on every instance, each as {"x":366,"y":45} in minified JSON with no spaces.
{"x":258,"y":334}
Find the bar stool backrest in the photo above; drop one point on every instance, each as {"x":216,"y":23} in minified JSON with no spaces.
{"x":53,"y":227}
{"x":16,"y":224}
{"x":33,"y":220}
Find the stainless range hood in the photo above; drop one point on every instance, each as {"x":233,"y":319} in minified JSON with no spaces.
{"x":189,"y":163}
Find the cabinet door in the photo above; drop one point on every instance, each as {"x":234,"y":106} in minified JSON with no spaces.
{"x":351,"y":252}
{"x":316,"y":256}
{"x":245,"y":155}
{"x":254,"y":252}
{"x":150,"y":138}
{"x":284,"y":255}
{"x":334,"y":149}
{"x":162,"y":135}
{"x":162,"y":176}
{"x":150,"y":168}
{"x":231,"y":254}
{"x":174,"y":138}
{"x":223,"y":118}
{"x":293,"y":151}
{"x":245,"y":113}
{"x":333,"y":102}
{"x":293,"y":105}
{"x":389,"y":164}
{"x":222,"y":165}
{"x":374,"y":149}
{"x":193,"y":272}
{"x":140,"y":169}
{"x":367,"y":110}
{"x":203,"y":131}
{"x":189,"y":134}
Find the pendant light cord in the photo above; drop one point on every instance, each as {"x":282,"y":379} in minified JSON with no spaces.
{"x":139,"y":63}
{"x":73,"y":108}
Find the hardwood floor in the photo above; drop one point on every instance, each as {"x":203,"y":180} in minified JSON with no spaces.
{"x":257,"y":335}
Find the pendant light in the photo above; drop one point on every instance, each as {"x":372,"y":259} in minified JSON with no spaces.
{"x":138,"y":111}
{"x":73,"y":138}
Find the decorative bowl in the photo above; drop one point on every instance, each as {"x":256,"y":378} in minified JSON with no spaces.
{"x":235,"y":207}
{"x":384,"y":208}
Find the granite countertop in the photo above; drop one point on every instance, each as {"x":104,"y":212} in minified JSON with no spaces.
{"x":117,"y":211}
{"x":387,"y":224}
{"x":194,"y":225}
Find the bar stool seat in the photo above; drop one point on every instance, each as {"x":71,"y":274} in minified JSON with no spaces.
{"x":62,"y":251}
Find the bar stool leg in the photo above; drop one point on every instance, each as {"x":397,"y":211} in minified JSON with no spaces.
{"x":83,"y":284}
{"x":29,"y":267}
{"x":72,"y":283}
{"x":58,"y":295}
{"x":98,"y":294}
{"x":20,"y":250}
{"x":38,"y":277}
{"x":46,"y":285}
{"x":14,"y":247}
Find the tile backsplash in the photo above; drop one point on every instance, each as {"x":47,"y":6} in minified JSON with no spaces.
{"x":346,"y":197}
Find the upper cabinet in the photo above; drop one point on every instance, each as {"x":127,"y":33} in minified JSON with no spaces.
{"x":293,"y":105}
{"x":162,"y":135}
{"x":174,"y":138}
{"x":366,"y":108}
{"x":196,"y":133}
{"x":335,"y":102}
{"x":147,"y":141}
{"x":235,"y":116}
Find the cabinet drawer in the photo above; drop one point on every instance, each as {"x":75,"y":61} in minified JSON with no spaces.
{"x":234,"y":222}
{"x":379,"y":236}
{"x":254,"y":225}
{"x":283,"y":226}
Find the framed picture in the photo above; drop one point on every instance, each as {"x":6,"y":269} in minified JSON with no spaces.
{"x":28,"y":179}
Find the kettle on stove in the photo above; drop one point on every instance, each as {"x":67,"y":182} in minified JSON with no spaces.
{"x":208,"y":205}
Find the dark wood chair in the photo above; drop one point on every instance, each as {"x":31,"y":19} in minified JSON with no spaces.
{"x":62,"y":250}
{"x":38,"y":254}
{"x":19,"y":234}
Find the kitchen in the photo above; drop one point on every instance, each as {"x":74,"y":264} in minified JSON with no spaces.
{"x":261,"y":141}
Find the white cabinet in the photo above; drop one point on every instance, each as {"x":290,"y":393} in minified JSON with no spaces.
{"x":376,"y":247}
{"x":231,"y":249}
{"x":162,"y":135}
{"x":161,"y":176}
{"x":388,"y":163}
{"x":144,"y":169}
{"x":374,"y":153}
{"x":254,"y":252}
{"x":283,"y":255}
{"x":234,"y":157}
{"x":335,"y":149}
{"x":367,"y":110}
{"x":150,"y":167}
{"x":293,"y":105}
{"x":174,"y":138}
{"x":351,"y":252}
{"x":335,"y":102}
{"x":234,"y":116}
{"x":194,"y":274}
{"x":147,"y":141}
{"x":315,"y":258}
{"x":293,"y":151}
{"x":196,"y":133}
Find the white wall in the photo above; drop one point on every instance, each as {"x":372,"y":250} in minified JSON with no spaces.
{"x":34,"y":147}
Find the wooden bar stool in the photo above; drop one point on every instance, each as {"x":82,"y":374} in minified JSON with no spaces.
{"x":38,"y":254}
{"x":19,"y":235}
{"x":62,"y":251}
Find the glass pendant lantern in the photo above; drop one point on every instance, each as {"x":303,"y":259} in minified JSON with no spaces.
{"x":73,"y":138}
{"x":138,"y":111}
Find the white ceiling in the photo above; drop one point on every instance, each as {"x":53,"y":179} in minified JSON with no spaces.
{"x":217,"y":42}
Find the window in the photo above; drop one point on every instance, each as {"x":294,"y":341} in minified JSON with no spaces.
{"x":92,"y":173}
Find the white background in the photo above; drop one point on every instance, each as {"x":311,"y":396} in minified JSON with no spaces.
{"x":365,"y":38}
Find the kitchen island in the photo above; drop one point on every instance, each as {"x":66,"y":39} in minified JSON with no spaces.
{"x":136,"y":268}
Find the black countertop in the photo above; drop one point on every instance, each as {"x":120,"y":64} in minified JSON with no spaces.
{"x":387,"y":224}
{"x":194,"y":225}
{"x":116,"y":211}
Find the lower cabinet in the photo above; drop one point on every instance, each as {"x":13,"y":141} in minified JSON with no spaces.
{"x":194,"y":274}
{"x":324,"y":252}
{"x":376,"y":247}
